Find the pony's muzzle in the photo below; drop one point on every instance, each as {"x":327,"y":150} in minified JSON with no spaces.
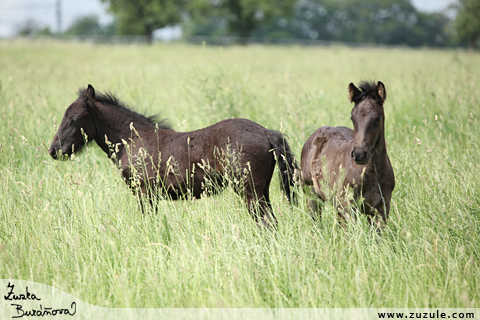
{"x":360,"y":155}
{"x":53,"y":152}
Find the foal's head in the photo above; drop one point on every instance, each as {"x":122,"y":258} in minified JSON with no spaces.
{"x":69,"y":137}
{"x":367,"y":117}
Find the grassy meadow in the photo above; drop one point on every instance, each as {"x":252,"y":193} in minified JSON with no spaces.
{"x":76,"y":226}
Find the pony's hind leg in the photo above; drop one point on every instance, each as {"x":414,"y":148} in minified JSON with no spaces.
{"x":268,"y":218}
{"x":258,"y":197}
{"x":258,"y":203}
{"x":254,"y":188}
{"x":261,"y":211}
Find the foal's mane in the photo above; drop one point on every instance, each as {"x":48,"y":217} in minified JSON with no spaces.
{"x":111,"y":100}
{"x":369,"y":89}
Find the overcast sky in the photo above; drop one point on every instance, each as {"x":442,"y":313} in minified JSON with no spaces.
{"x":14,"y":13}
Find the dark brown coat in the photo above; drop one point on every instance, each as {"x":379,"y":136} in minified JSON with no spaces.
{"x":154,"y":159}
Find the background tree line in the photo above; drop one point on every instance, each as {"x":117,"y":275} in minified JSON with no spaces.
{"x":392,"y":22}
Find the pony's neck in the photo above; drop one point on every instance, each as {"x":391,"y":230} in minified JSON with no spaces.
{"x":113,"y":125}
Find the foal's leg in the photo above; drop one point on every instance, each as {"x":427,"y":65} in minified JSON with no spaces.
{"x":377,"y":218}
{"x":345,"y":215}
{"x":314,"y":203}
{"x":345,"y":212}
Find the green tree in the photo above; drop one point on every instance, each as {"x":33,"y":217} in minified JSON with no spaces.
{"x":242,"y":17}
{"x":45,"y":31}
{"x":394,"y":22}
{"x":136,"y":17}
{"x":87,"y":25}
{"x":467,"y":22}
{"x":28,"y":28}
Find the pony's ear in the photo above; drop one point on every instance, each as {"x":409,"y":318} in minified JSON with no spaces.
{"x":353,"y":92}
{"x":381,"y":92}
{"x":90,"y":93}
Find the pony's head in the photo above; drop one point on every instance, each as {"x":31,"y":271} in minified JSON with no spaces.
{"x":77,"y":126}
{"x":368,"y":118}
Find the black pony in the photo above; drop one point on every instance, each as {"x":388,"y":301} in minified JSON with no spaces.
{"x":155,"y":159}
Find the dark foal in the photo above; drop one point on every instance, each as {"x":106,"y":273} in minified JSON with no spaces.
{"x":338,"y":159}
{"x":154,"y":159}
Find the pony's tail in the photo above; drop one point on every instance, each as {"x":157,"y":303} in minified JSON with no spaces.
{"x":286,"y":163}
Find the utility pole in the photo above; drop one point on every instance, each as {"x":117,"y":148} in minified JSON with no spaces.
{"x":59,"y":16}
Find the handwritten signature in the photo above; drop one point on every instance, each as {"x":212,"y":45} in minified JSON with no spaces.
{"x":40,"y":312}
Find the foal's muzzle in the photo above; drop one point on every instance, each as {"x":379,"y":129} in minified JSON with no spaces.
{"x":360,"y":155}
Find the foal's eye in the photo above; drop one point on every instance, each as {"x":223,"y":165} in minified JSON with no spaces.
{"x":377,"y":120}
{"x":74,"y":121}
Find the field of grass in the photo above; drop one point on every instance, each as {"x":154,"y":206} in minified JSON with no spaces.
{"x":75,"y":225}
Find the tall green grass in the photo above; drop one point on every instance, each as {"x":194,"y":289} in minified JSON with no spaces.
{"x":75,"y":225}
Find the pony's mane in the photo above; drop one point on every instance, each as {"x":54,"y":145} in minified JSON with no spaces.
{"x":110,"y":99}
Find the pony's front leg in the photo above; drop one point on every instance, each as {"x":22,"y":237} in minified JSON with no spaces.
{"x":140,"y":193}
{"x":145,"y":195}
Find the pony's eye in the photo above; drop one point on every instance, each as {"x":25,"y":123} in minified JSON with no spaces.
{"x":377,"y":120}
{"x":74,"y":121}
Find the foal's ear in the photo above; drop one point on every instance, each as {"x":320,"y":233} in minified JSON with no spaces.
{"x":382,"y":94}
{"x":90,"y":92}
{"x":353,"y":92}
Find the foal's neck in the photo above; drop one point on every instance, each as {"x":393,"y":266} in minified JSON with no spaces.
{"x":379,"y":153}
